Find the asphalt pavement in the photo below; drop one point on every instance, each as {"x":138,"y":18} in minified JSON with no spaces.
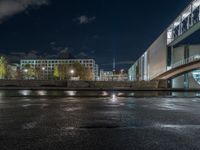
{"x":101,"y":123}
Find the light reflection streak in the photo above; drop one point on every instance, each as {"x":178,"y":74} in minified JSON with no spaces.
{"x":71,"y":93}
{"x":114,"y":97}
{"x":105,"y":93}
{"x":177,"y":126}
{"x":42,"y":93}
{"x":25,"y":92}
{"x":120,"y":94}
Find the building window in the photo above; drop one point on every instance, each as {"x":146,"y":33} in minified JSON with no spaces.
{"x":196,"y":76}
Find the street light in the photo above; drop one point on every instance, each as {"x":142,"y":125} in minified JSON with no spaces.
{"x":43,"y":69}
{"x":72,"y":73}
{"x":25,"y":71}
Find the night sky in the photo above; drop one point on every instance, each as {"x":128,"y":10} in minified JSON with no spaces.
{"x":100,"y":29}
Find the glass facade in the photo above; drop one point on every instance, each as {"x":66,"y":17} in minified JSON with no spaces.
{"x":196,"y":76}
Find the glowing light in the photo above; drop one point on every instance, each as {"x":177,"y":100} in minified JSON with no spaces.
{"x":25,"y":70}
{"x":120,"y":94}
{"x":42,"y":93}
{"x":114,"y":98}
{"x":71,"y":93}
{"x":105,"y":93}
{"x":43,"y":68}
{"x":25,"y":92}
{"x":72,"y":71}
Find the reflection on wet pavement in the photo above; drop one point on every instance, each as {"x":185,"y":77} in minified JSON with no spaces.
{"x":108,"y":122}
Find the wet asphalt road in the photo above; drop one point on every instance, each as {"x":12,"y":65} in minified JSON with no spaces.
{"x":52,"y":123}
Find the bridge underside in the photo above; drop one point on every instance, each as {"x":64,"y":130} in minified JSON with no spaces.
{"x":179,"y":71}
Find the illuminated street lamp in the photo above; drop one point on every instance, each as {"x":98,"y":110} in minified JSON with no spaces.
{"x":25,"y":71}
{"x":72,"y":72}
{"x":43,"y":69}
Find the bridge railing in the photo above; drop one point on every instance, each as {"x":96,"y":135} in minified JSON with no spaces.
{"x":185,"y":21}
{"x":186,"y":61}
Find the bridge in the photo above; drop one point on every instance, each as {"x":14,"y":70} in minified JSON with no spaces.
{"x":184,"y":66}
{"x":168,"y":58}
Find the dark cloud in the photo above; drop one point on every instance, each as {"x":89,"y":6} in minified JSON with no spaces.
{"x":10,"y":8}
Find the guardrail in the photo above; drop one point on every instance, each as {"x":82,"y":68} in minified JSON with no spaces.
{"x":186,"y":61}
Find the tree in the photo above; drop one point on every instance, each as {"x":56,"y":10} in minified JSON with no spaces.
{"x":3,"y":67}
{"x":39,"y":73}
{"x":83,"y":72}
{"x":56,"y":73}
{"x":88,"y":74}
{"x":63,"y":71}
{"x":30,"y":73}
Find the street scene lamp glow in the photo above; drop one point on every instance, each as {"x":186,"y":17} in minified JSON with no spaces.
{"x":72,"y":71}
{"x":25,"y":70}
{"x":114,"y":97}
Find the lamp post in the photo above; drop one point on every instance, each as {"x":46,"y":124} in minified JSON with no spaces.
{"x":25,"y":71}
{"x":72,"y":73}
{"x":43,"y":69}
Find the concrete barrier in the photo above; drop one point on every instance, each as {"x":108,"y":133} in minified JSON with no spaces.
{"x":85,"y":84}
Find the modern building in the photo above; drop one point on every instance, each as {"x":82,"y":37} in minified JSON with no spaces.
{"x":132,"y":75}
{"x":48,"y":65}
{"x":171,"y":51}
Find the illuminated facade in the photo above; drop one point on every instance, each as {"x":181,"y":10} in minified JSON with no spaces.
{"x":120,"y":75}
{"x":188,"y":19}
{"x":163,"y":54}
{"x":47,"y":65}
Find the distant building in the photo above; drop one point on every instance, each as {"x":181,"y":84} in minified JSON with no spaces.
{"x":97,"y":72}
{"x":48,"y":65}
{"x":120,"y":75}
{"x":106,"y":75}
{"x":13,"y":71}
{"x":132,"y":73}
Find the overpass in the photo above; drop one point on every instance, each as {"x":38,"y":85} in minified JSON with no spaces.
{"x":184,"y":66}
{"x":166,"y":58}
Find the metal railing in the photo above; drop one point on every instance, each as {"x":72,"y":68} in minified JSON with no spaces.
{"x":186,"y":61}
